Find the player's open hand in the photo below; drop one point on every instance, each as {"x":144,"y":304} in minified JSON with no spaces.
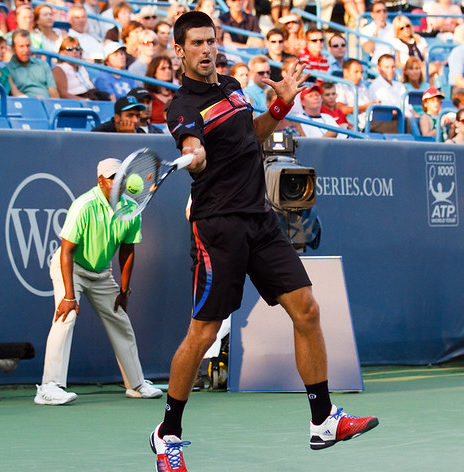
{"x":64,"y":308}
{"x":291,"y":84}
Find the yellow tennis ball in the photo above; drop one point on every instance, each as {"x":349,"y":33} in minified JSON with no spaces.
{"x":134,"y":184}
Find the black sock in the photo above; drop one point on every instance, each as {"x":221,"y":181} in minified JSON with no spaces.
{"x":319,"y":401}
{"x":172,"y":423}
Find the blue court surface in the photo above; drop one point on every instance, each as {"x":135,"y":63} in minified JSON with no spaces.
{"x":420,"y":411}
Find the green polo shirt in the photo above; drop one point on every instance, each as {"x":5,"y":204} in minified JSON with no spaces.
{"x":90,"y":224}
{"x":32,"y":79}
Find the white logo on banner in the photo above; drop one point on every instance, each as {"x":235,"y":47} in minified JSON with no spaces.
{"x":33,"y":232}
{"x":442,"y":191}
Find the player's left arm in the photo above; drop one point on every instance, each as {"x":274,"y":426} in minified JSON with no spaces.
{"x":286,"y":90}
{"x":126,"y":262}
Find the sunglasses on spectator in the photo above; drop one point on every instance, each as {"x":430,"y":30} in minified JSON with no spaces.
{"x":405,"y":26}
{"x":264,"y":72}
{"x":460,"y":121}
{"x":381,"y":10}
{"x":147,"y":43}
{"x":317,"y":40}
{"x":277,"y":41}
{"x":338,"y":45}
{"x":150,"y":17}
{"x":73,"y":48}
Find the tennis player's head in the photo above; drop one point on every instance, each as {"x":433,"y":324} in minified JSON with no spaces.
{"x":195,"y":44}
{"x":106,"y":170}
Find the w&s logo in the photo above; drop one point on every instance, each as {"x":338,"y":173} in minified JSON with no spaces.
{"x":34,"y":219}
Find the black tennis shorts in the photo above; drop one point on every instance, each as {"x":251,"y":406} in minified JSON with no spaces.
{"x":226,"y":248}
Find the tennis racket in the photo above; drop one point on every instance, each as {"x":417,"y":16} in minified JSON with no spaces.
{"x":138,"y":179}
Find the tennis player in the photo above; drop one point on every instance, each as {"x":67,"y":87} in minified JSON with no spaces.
{"x":235,"y":233}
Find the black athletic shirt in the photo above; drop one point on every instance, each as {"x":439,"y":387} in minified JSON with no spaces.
{"x":221,"y":118}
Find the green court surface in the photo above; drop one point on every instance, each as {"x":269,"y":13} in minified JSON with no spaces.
{"x":420,"y":411}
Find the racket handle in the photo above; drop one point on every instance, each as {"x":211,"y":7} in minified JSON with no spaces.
{"x":183,"y":161}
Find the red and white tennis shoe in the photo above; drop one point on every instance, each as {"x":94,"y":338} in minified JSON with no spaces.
{"x":339,"y":426}
{"x":169,"y":452}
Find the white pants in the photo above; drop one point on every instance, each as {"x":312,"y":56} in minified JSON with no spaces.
{"x":101,"y":291}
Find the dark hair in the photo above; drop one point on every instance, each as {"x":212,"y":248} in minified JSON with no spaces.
{"x":459,"y":114}
{"x":273,"y":31}
{"x":384,"y":57}
{"x":348,"y":62}
{"x":151,"y":71}
{"x":127,"y":30}
{"x":336,"y":35}
{"x":189,"y":20}
{"x":327,"y":85}
{"x":457,"y":97}
{"x":376,"y":2}
{"x":162,"y":22}
{"x":19,"y":32}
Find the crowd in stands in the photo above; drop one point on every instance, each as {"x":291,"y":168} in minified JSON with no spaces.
{"x":347,"y":78}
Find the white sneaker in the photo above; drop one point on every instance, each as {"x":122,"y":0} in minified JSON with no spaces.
{"x":51,"y":394}
{"x":146,"y":390}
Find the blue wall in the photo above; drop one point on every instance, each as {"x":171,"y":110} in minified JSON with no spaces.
{"x":403,"y":264}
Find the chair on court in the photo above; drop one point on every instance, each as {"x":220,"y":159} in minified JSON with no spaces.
{"x":74,"y":119}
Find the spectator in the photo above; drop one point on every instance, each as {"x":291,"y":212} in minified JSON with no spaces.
{"x":413,"y":79}
{"x":378,"y":28}
{"x":146,"y":52}
{"x":311,"y":99}
{"x":4,"y":71}
{"x":275,"y":50}
{"x":10,"y":19}
{"x":72,"y":80}
{"x":122,"y":12}
{"x":222,"y":66}
{"x":352,"y":71}
{"x":126,"y":117}
{"x":459,"y":129}
{"x":130,"y":38}
{"x":147,"y":17}
{"x":431,"y":103}
{"x":144,"y":96}
{"x":115,"y":85}
{"x":407,"y":43}
{"x":443,"y":26}
{"x":458,"y":98}
{"x":260,"y":70}
{"x":159,"y":68}
{"x":240,"y":72}
{"x":3,"y":28}
{"x":286,"y":126}
{"x":294,"y":34}
{"x":279,"y":8}
{"x":208,"y":7}
{"x":456,"y":59}
{"x":96,"y":28}
{"x":109,"y":15}
{"x":176,"y":10}
{"x":51,"y":38}
{"x":387,"y":91}
{"x":163,"y":33}
{"x":353,"y":9}
{"x":329,"y":104}
{"x":25,"y":21}
{"x":3,"y":51}
{"x":312,"y":56}
{"x":92,"y":50}
{"x":30,"y":76}
{"x":238,"y":18}
{"x":337,"y":50}
{"x":177,"y":67}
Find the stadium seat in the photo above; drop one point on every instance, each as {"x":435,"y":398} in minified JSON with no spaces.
{"x":4,"y":124}
{"x":28,"y":123}
{"x":413,"y":98}
{"x":384,"y":113}
{"x":3,"y":99}
{"x":26,"y":107}
{"x":52,"y":104}
{"x":74,"y":119}
{"x":105,"y":109}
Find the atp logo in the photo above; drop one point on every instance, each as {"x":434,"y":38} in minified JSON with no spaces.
{"x":442,"y":191}
{"x":34,"y":219}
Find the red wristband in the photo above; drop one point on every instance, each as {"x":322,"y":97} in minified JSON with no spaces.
{"x":279,"y":109}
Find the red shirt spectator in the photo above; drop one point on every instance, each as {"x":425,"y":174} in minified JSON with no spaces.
{"x":311,"y":55}
{"x":339,"y":116}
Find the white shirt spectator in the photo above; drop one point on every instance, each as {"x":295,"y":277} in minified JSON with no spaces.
{"x":316,"y":132}
{"x":385,"y":34}
{"x":388,"y":94}
{"x":403,"y":49}
{"x":345,"y":95}
{"x":91,"y":48}
{"x":96,"y":28}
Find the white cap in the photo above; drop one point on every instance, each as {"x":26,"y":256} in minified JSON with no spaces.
{"x":112,"y":46}
{"x":148,"y":10}
{"x":108,"y":167}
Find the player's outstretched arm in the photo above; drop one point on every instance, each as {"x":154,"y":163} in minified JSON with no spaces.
{"x":286,"y":91}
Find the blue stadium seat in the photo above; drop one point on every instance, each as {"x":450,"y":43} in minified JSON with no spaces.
{"x":74,"y":119}
{"x":105,"y":109}
{"x":384,"y":113}
{"x":26,"y":107}
{"x":28,"y":123}
{"x":52,"y":104}
{"x":4,"y":124}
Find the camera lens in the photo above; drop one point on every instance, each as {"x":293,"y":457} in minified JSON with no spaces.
{"x":295,"y":187}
